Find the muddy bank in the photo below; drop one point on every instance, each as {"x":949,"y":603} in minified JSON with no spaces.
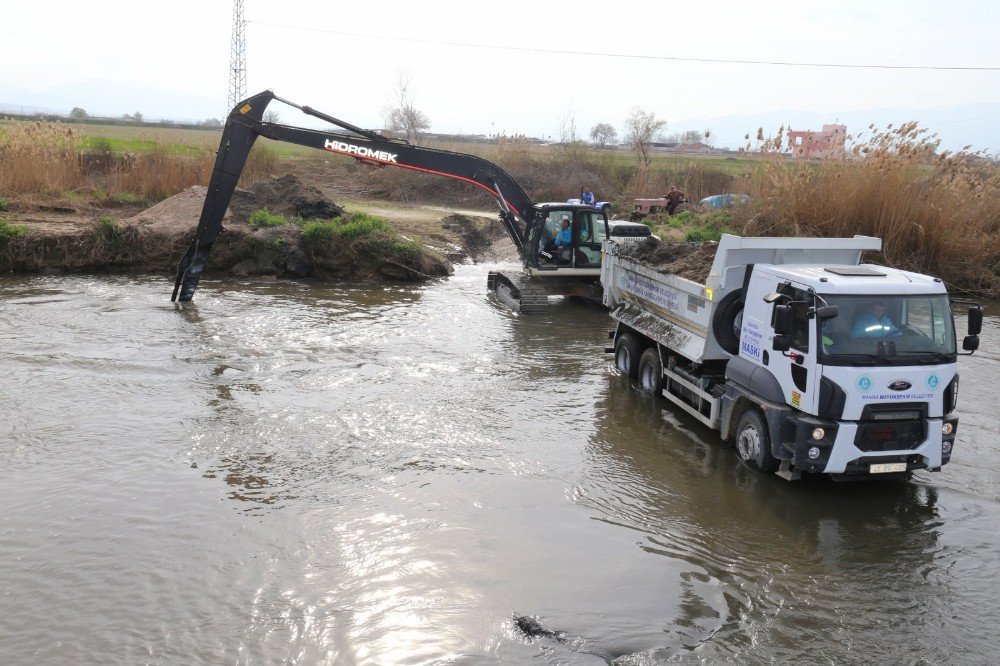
{"x":80,"y":239}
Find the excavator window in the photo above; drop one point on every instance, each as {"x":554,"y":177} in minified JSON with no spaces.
{"x":590,"y":234}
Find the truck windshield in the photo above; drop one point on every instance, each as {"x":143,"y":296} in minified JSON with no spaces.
{"x":888,"y":330}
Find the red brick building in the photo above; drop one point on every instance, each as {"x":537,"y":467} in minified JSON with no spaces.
{"x":825,"y":144}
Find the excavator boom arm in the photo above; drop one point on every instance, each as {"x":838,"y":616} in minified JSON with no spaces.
{"x":245,"y":123}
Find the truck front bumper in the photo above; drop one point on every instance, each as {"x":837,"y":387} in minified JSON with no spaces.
{"x":837,"y":451}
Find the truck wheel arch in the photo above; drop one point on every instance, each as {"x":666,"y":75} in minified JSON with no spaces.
{"x":724,"y":322}
{"x":752,"y":438}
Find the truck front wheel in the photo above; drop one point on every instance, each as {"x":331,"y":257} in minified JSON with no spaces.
{"x":753,"y":444}
{"x":651,"y":371}
{"x":627,"y":352}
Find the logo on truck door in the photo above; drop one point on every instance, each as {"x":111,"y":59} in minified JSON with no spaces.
{"x":751,"y":339}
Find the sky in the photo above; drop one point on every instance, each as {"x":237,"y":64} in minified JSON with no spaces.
{"x":487,"y":68}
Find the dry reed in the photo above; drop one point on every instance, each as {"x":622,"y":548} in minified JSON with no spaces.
{"x":49,"y":159}
{"x":937,"y":213}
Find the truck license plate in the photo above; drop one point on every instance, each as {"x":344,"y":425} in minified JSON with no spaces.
{"x":882,"y":468}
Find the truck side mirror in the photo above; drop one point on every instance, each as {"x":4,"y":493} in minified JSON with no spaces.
{"x":970,"y":343}
{"x":781,"y":343}
{"x":828,"y":312}
{"x":782,"y":320}
{"x":975,"y":320}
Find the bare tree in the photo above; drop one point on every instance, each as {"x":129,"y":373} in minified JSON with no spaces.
{"x":691,"y":136}
{"x":640,"y":128}
{"x":403,"y":116}
{"x":603,"y":134}
{"x":272,"y":116}
{"x":567,"y":128}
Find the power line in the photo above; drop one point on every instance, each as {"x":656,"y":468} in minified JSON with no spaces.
{"x":602,"y":54}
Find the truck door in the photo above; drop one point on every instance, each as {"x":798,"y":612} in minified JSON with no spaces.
{"x":796,"y":368}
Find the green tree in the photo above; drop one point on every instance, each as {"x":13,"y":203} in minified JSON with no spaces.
{"x":603,"y":134}
{"x":78,"y":114}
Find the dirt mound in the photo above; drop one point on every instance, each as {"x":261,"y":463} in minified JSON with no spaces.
{"x":176,"y":214}
{"x":688,"y":260}
{"x":286,"y":196}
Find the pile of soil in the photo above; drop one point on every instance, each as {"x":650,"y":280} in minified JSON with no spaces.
{"x":692,"y":261}
{"x":286,"y":195}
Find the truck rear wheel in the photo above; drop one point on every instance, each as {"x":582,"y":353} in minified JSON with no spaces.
{"x":728,"y":321}
{"x":651,"y":371}
{"x":627,"y":352}
{"x":753,"y":444}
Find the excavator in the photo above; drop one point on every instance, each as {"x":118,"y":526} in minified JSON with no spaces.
{"x":572,"y":270}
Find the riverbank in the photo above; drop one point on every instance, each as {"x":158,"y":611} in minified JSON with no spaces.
{"x":282,"y":227}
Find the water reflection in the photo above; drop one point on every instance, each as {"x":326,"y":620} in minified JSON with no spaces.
{"x":761,"y":562}
{"x":293,"y":473}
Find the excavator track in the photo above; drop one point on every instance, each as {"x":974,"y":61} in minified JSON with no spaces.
{"x":530,"y":295}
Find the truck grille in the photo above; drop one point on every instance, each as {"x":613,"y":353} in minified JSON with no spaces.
{"x":890,"y":435}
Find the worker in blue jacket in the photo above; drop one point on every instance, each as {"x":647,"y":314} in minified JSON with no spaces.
{"x":565,"y":236}
{"x":587,"y":197}
{"x":874,"y":323}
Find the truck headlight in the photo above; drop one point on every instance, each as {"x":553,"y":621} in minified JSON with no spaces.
{"x":818,"y":434}
{"x":813,"y":451}
{"x":948,"y":428}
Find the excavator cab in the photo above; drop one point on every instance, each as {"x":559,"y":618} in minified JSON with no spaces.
{"x":550,"y":256}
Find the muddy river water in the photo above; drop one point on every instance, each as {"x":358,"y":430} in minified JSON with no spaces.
{"x":305,"y":473}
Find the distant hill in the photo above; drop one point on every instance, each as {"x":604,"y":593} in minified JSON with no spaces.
{"x":105,"y":98}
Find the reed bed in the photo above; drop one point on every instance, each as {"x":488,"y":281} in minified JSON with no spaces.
{"x":53,"y":160}
{"x":937,"y":213}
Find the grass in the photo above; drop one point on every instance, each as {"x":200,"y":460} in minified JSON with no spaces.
{"x":263,"y":218}
{"x":122,"y":145}
{"x":4,"y":205}
{"x":8,"y":230}
{"x":355,"y":230}
{"x":111,"y":234}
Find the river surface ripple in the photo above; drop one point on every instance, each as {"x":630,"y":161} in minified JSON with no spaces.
{"x":304,"y":473}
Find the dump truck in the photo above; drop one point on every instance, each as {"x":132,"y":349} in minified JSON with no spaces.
{"x":810,"y":361}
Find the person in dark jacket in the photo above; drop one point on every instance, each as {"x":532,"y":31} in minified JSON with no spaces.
{"x":674,"y":199}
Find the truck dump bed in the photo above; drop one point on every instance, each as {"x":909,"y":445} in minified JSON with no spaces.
{"x":680,"y":313}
